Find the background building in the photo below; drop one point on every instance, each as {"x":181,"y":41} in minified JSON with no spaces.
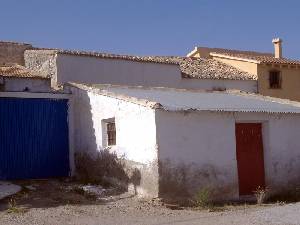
{"x":276,"y":76}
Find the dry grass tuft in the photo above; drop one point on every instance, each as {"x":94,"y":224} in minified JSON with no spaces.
{"x":261,"y":195}
{"x":14,"y":208}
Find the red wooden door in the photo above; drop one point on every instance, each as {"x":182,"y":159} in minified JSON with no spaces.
{"x":250,"y":158}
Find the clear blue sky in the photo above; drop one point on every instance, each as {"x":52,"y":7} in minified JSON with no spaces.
{"x":152,"y":27}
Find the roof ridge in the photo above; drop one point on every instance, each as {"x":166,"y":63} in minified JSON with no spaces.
{"x":217,"y":50}
{"x":15,"y":43}
{"x":257,"y":58}
{"x":107,"y":55}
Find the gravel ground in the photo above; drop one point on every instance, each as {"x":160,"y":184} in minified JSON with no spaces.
{"x":51,"y":204}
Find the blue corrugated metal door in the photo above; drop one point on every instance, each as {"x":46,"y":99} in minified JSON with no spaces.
{"x":33,"y":138}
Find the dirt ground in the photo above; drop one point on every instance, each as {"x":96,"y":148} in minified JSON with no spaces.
{"x":53,"y":202}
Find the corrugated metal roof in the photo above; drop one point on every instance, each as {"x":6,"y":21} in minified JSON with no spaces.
{"x":182,"y":100}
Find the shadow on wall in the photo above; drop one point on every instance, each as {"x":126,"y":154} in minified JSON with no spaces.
{"x":108,"y":170}
{"x":94,"y":166}
{"x":84,"y":136}
{"x":105,"y":168}
{"x":135,"y":179}
{"x":143,"y":177}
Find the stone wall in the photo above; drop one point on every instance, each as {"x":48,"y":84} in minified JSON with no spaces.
{"x":11,"y":52}
{"x":43,"y":61}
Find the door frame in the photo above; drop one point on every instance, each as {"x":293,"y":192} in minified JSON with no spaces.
{"x":265,"y":140}
{"x":70,"y":118}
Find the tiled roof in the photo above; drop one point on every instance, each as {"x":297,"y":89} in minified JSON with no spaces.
{"x":234,"y":52}
{"x":205,"y":68}
{"x":113,"y":56}
{"x":19,"y":71}
{"x":260,"y":58}
{"x":257,"y":57}
{"x":190,"y":67}
{"x":14,"y":43}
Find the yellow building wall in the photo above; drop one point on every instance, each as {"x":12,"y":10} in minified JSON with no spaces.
{"x":290,"y":82}
{"x":290,"y":78}
{"x":197,"y":55}
{"x":242,"y":65}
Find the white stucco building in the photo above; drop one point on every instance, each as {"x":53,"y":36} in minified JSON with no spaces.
{"x":177,"y":120}
{"x":182,"y":141}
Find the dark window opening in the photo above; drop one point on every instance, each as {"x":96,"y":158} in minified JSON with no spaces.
{"x":275,"y":79}
{"x":111,"y":133}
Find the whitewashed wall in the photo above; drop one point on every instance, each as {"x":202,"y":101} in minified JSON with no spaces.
{"x":32,"y":84}
{"x":135,"y":131}
{"x":194,"y":149}
{"x":202,"y":145}
{"x":84,"y":69}
{"x":90,"y":70}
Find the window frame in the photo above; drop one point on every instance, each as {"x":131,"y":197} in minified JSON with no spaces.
{"x":111,"y":133}
{"x":108,"y":141}
{"x":277,"y":81}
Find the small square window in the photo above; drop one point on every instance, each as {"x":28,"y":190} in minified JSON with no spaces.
{"x":111,"y":133}
{"x":274,"y":79}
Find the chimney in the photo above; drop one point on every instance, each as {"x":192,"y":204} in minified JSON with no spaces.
{"x":278,"y":47}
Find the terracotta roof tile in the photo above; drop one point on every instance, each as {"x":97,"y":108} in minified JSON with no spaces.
{"x":14,"y":43}
{"x":19,"y":71}
{"x":206,"y":68}
{"x":114,"y":56}
{"x":190,"y":67}
{"x":234,"y":52}
{"x":260,"y":58}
